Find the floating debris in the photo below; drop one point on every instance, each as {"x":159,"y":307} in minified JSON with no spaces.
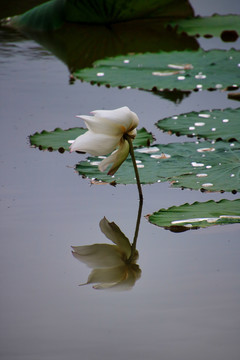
{"x":196,"y":164}
{"x":149,"y":150}
{"x":202,"y":150}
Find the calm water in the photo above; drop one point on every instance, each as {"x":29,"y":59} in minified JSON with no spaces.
{"x":185,"y":305}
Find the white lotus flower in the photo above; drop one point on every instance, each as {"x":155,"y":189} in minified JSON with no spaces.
{"x":106,"y":130}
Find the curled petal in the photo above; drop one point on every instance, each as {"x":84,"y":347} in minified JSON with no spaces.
{"x":111,"y":122}
{"x":95,"y":144}
{"x":122,"y":116}
{"x":102,"y":126}
{"x":116,"y":158}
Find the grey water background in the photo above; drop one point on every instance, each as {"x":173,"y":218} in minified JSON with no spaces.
{"x":186,"y":305}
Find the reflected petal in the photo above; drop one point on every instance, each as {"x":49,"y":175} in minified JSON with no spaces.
{"x":98,"y":255}
{"x":122,"y":279}
{"x":113,"y":233}
{"x":107,"y":276}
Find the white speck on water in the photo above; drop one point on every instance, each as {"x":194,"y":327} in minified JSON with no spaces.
{"x":100,"y":74}
{"x":194,"y":220}
{"x":208,"y":166}
{"x":225,"y":120}
{"x":191,"y":128}
{"x":180,"y":67}
{"x":193,"y":163}
{"x":175,"y":117}
{"x":161,"y":156}
{"x":95,"y":163}
{"x":147,"y":150}
{"x":199,"y":123}
{"x":232,"y":175}
{"x":202,"y":175}
{"x":138,"y":161}
{"x":199,"y":86}
{"x":126,"y":61}
{"x":200,"y":76}
{"x":202,"y":150}
{"x":140,"y":166}
{"x":232,"y":145}
{"x":214,"y":129}
{"x":207,"y":185}
{"x":229,"y":217}
{"x":204,"y":115}
{"x":218,"y":86}
{"x":181,"y":78}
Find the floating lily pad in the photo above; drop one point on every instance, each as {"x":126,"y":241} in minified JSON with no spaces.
{"x":58,"y":139}
{"x":197,"y":215}
{"x":214,"y":25}
{"x":200,"y":166}
{"x":55,"y":140}
{"x":215,"y":124}
{"x":185,"y":70}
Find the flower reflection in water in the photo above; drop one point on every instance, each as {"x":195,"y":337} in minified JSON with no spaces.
{"x":114,"y":266}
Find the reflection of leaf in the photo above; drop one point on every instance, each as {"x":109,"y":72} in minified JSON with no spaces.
{"x":214,"y":124}
{"x":79,"y":45}
{"x":234,"y":96}
{"x":186,"y":217}
{"x":182,"y":70}
{"x":176,"y":95}
{"x":213,"y":25}
{"x":13,"y":7}
{"x":52,"y":14}
{"x":58,"y":139}
{"x":112,"y":11}
{"x":45,"y":17}
{"x":114,"y":266}
{"x":205,"y":166}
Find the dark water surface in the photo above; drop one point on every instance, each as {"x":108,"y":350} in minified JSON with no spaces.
{"x":185,"y":306}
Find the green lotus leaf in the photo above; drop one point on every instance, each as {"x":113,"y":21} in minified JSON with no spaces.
{"x":216,"y":25}
{"x":52,"y":14}
{"x":200,"y":166}
{"x":185,"y":70}
{"x":197,"y":215}
{"x":214,"y":124}
{"x":112,"y":11}
{"x":58,"y":139}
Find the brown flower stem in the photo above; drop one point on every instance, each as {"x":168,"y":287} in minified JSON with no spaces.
{"x":131,"y":151}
